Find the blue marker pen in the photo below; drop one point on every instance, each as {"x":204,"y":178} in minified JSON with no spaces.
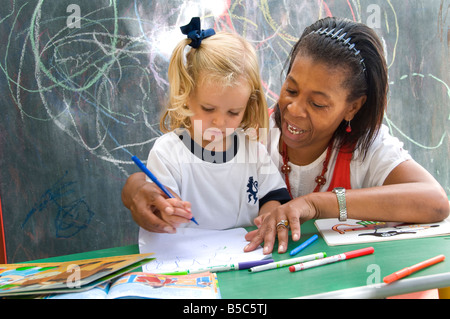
{"x":154,"y":179}
{"x":304,"y":245}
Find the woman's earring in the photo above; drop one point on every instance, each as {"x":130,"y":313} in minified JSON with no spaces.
{"x":349,"y":128}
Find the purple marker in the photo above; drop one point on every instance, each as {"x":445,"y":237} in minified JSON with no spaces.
{"x":250,"y":264}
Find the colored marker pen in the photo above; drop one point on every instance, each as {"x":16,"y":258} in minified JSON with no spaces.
{"x":305,"y":244}
{"x":332,"y":259}
{"x":154,"y":179}
{"x":409,"y":270}
{"x":287,"y":262}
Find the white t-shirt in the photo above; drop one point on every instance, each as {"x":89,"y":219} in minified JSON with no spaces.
{"x":385,"y":153}
{"x":223,"y":192}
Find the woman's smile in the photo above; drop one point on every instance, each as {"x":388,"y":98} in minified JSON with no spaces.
{"x":294,"y":130}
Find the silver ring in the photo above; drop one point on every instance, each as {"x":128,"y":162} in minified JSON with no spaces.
{"x":283,"y":223}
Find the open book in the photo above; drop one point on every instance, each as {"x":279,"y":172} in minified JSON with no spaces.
{"x":44,"y":278}
{"x":155,"y":286}
{"x":355,"y":231}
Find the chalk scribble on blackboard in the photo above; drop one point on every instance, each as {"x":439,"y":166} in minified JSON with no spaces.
{"x":72,"y":215}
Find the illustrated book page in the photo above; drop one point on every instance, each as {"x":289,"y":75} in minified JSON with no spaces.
{"x":355,"y":231}
{"x":140,"y":285}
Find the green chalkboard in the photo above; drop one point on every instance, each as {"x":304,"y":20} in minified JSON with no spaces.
{"x":83,"y":82}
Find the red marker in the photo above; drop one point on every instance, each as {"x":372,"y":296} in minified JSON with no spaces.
{"x":409,"y":270}
{"x":332,"y":259}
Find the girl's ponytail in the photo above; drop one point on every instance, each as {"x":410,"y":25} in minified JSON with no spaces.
{"x":181,"y":85}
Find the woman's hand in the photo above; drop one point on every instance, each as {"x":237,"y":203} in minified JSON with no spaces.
{"x":409,"y":194}
{"x":150,"y":207}
{"x":295,"y":212}
{"x":176,"y":215}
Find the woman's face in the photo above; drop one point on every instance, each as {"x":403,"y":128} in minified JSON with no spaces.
{"x":313,"y":102}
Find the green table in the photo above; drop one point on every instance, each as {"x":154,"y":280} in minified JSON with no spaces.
{"x":356,"y":278}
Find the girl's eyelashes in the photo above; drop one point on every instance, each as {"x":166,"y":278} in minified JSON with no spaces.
{"x":210,"y":110}
{"x":206,"y":109}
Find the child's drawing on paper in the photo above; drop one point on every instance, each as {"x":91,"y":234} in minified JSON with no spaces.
{"x":398,"y":228}
{"x":358,"y":231}
{"x":194,"y":249}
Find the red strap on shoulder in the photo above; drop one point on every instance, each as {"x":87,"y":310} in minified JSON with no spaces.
{"x":341,"y":174}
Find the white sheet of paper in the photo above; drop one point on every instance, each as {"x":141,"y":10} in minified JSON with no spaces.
{"x":195,"y":248}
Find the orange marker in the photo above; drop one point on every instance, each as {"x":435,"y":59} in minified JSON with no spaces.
{"x":409,"y":270}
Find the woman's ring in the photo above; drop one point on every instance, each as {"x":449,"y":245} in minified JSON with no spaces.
{"x":283,"y":223}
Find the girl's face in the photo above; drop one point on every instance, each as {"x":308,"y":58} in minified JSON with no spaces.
{"x":218,"y":111}
{"x":313,"y":102}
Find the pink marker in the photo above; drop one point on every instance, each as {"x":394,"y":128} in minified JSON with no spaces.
{"x":332,"y":259}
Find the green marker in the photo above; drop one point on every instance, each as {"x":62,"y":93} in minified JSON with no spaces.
{"x":288,"y":262}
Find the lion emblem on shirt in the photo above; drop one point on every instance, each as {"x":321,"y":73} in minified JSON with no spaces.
{"x":252,"y":190}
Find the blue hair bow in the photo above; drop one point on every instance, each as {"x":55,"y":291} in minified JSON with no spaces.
{"x":193,"y":32}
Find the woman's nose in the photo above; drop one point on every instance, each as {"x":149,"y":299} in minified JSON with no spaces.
{"x":297,"y":108}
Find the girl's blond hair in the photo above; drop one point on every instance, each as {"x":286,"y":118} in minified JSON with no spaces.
{"x":224,"y":59}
